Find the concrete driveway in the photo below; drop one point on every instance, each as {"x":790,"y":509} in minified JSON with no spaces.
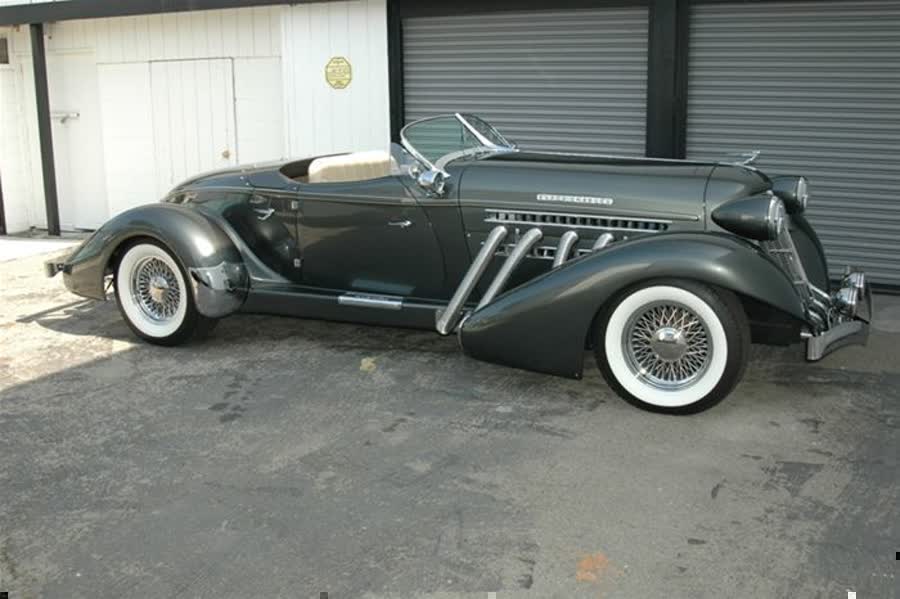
{"x":288,"y":458}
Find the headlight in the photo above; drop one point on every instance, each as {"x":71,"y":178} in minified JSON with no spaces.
{"x":775,"y":219}
{"x":794,"y":191}
{"x":760,"y":217}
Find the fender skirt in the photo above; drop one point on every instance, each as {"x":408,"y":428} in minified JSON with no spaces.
{"x":214,"y":266}
{"x":542,"y":325}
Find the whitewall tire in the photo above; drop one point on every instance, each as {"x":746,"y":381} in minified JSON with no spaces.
{"x":673,"y":346}
{"x":154,"y":297}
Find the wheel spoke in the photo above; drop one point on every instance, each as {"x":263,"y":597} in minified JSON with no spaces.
{"x":156,"y":290}
{"x":667,"y":345}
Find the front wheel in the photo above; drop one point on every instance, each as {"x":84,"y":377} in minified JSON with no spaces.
{"x":676,"y":347}
{"x":154,"y":298}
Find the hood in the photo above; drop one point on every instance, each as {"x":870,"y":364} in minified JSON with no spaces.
{"x":729,"y":182}
{"x":665,"y":189}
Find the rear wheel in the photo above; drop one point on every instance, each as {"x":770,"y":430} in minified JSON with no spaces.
{"x":676,"y":347}
{"x":154,"y":298}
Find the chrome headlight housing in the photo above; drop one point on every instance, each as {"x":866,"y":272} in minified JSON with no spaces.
{"x":761,"y":217}
{"x":794,"y":191}
{"x":775,"y":217}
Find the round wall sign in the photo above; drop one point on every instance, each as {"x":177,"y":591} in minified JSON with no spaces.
{"x":338,"y":72}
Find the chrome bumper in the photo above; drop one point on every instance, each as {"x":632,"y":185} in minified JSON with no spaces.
{"x":54,"y":267}
{"x":853,"y":303}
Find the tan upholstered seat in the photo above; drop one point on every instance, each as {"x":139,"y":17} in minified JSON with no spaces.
{"x":359,"y":166}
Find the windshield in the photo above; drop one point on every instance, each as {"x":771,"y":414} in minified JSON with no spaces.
{"x":439,"y":140}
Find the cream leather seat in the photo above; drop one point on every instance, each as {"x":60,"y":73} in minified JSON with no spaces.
{"x":359,"y":166}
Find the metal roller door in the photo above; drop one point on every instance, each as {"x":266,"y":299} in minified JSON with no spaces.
{"x":571,"y":80}
{"x":816,"y":87}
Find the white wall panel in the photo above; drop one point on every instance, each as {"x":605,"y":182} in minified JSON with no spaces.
{"x":259,"y":109}
{"x":129,"y":154}
{"x":14,"y":165}
{"x":233,"y":33}
{"x":78,"y":140}
{"x":320,"y":119}
{"x":193,"y":118}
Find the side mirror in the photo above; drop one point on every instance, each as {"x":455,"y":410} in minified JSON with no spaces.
{"x":433,"y":182}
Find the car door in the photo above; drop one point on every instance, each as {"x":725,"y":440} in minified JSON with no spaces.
{"x":368,"y":236}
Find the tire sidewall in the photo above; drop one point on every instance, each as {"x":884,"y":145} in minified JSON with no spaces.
{"x":729,"y":338}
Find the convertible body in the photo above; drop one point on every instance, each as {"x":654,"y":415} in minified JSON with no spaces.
{"x":523,"y":255}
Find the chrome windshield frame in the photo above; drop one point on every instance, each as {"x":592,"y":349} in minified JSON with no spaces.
{"x":487,"y":146}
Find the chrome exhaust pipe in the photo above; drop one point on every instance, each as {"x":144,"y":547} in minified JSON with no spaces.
{"x":515,"y":257}
{"x":603,"y":241}
{"x":448,"y":319}
{"x":566,"y":243}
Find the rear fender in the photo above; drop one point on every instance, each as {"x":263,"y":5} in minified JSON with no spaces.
{"x":541,"y":325}
{"x":214,"y":266}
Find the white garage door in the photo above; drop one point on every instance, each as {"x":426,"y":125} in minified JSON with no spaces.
{"x":816,"y":87}
{"x":554,"y":80}
{"x":193,"y":118}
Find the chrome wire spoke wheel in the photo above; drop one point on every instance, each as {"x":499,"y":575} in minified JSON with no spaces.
{"x":673,"y":347}
{"x":667,"y":344}
{"x":155,"y":289}
{"x":152,"y":291}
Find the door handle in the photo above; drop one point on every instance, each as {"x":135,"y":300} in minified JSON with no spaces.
{"x":264,"y":213}
{"x":403,"y":224}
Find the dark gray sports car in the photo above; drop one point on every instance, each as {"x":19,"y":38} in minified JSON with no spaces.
{"x":667,"y":269}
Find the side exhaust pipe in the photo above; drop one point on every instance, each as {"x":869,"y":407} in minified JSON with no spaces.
{"x":566,"y":243}
{"x":515,"y":257}
{"x":448,"y":319}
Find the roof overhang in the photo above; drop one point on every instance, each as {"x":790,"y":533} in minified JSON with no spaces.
{"x":67,"y":10}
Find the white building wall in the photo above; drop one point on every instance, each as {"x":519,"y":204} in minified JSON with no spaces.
{"x":15,"y":173}
{"x":320,"y":119}
{"x":126,"y":47}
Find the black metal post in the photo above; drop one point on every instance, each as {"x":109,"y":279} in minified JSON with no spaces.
{"x":2,"y":211}
{"x":395,"y":70}
{"x":45,"y":131}
{"x":667,"y":79}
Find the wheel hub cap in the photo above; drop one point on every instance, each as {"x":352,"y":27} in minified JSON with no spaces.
{"x":158,"y":288}
{"x":667,"y":345}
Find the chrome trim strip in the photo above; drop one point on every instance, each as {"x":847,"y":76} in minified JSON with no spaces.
{"x":515,"y":257}
{"x":597,"y":215}
{"x":365,"y":300}
{"x":449,"y":317}
{"x":566,"y":243}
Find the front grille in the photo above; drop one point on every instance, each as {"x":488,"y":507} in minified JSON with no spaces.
{"x":783,"y":251}
{"x":577,"y":221}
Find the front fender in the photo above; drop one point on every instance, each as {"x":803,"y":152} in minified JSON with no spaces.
{"x":214,"y":266}
{"x":542,"y":324}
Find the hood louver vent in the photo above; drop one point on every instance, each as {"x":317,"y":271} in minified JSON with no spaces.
{"x":580,"y":221}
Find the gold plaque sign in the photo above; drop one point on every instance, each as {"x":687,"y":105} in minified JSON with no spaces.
{"x":338,"y":72}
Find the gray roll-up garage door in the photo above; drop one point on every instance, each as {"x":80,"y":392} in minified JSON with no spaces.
{"x":572,"y":80}
{"x":816,"y":87}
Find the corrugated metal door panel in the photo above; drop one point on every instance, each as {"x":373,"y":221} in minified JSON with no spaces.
{"x":573,"y":80}
{"x":816,"y":87}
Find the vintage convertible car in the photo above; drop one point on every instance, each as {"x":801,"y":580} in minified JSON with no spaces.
{"x":667,"y":269}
